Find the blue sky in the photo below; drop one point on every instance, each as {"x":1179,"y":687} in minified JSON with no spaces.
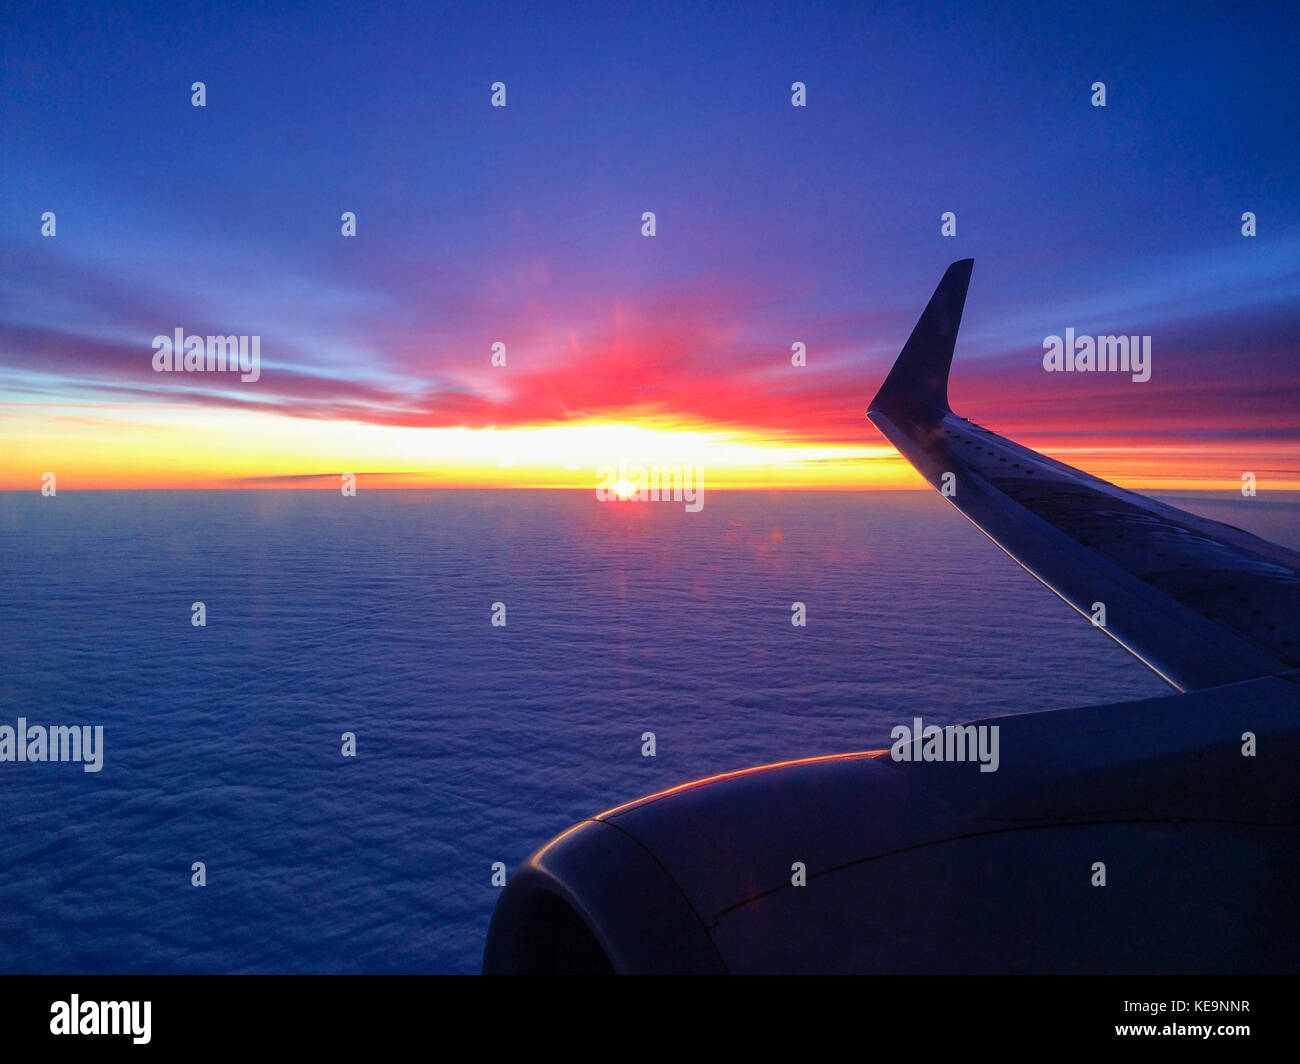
{"x":774,"y":223}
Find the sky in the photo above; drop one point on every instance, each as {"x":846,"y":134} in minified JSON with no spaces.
{"x":522,"y":225}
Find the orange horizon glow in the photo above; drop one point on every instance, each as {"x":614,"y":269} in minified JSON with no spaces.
{"x":172,"y":448}
{"x":92,"y":448}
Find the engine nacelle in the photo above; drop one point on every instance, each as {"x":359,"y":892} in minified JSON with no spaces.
{"x":1126,"y":838}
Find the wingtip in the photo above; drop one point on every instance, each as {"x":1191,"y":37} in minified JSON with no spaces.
{"x":917,"y":384}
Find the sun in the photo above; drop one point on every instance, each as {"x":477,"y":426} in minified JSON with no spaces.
{"x":624,"y":489}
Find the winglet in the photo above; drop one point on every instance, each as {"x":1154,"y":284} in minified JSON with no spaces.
{"x":917,"y":386}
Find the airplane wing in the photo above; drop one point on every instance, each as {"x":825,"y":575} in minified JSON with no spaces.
{"x":697,"y":878}
{"x":1200,"y":602}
